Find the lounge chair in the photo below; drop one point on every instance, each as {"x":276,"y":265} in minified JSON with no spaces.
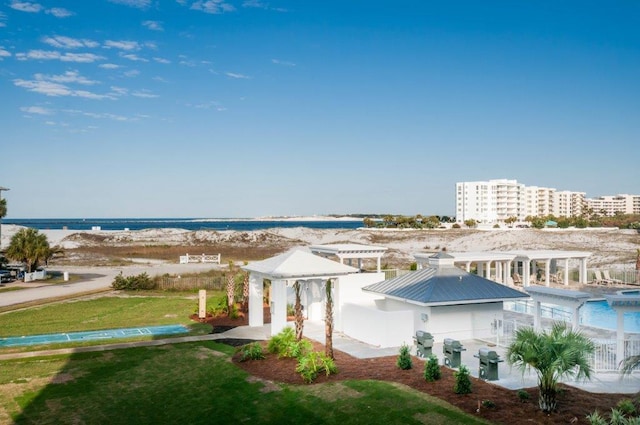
{"x":598,"y":279}
{"x":516,"y":279}
{"x":609,"y":280}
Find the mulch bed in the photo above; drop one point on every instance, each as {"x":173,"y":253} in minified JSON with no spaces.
{"x":573,"y":404}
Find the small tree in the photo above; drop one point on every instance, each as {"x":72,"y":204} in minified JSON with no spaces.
{"x":328,"y":321}
{"x":432,"y":370}
{"x":463,"y":382}
{"x":298,"y":310}
{"x":231,"y":289}
{"x":404,"y":358}
{"x":560,"y":352}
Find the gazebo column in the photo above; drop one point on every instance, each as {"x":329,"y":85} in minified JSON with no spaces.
{"x":507,"y":272}
{"x":565,"y":277}
{"x":526,"y":273}
{"x":487,"y":270}
{"x":467,"y":266}
{"x":359,"y":263}
{"x":314,"y":307}
{"x":256,"y":312}
{"x":582,"y":271}
{"x":378,"y":266}
{"x":498,"y":271}
{"x":547,"y":271}
{"x":278,"y":306}
{"x":480,"y":268}
{"x":537,"y":315}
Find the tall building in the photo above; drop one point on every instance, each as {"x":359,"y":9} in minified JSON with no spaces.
{"x":610,"y":205}
{"x":494,"y":201}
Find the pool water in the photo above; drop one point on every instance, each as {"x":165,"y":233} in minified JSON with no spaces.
{"x":91,"y":335}
{"x":598,"y":314}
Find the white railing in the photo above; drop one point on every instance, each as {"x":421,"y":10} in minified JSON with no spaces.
{"x":37,"y":275}
{"x":204,"y":258}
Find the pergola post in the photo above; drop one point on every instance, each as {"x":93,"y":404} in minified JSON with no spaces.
{"x":487,"y":270}
{"x":526,"y":272}
{"x":256,"y":313}
{"x":507,"y":272}
{"x":278,"y":306}
{"x":565,"y":276}
{"x":467,"y":266}
{"x":537,"y":315}
{"x":480,"y":268}
{"x":547,"y":271}
{"x":619,"y":335}
{"x":498,"y":271}
{"x":582,"y":271}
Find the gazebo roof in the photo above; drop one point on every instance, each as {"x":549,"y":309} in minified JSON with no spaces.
{"x":443,"y":285}
{"x":299,"y":264}
{"x":362,"y":251}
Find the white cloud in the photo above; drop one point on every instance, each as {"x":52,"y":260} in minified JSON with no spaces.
{"x":68,"y":77}
{"x":132,"y":73}
{"x":261,"y":5}
{"x":4,"y":53}
{"x":284,"y":63}
{"x":3,"y":18}
{"x":109,"y":66}
{"x":153,"y":25}
{"x":160,"y":79}
{"x":134,"y":57}
{"x":213,"y":7}
{"x":60,"y":12}
{"x":162,"y":60}
{"x":119,"y":91}
{"x":54,"y":55}
{"x":122,"y":44}
{"x":237,"y":76}
{"x":39,"y":110}
{"x":187,"y":62}
{"x":63,"y":42}
{"x":55,"y":86}
{"x":140,"y":4}
{"x":144,"y":94}
{"x":25,"y":6}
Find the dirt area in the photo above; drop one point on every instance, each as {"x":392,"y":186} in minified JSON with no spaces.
{"x":573,"y":404}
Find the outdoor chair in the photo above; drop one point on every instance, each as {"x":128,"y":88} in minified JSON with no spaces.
{"x":516,"y":279}
{"x":598,"y":279}
{"x":609,"y":280}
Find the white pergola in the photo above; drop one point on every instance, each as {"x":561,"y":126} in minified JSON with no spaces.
{"x":527,"y":259}
{"x":350,"y":252}
{"x":284,"y":270}
{"x":501,"y":260}
{"x":505,"y":261}
{"x":557,"y":296}
{"x":622,"y":304}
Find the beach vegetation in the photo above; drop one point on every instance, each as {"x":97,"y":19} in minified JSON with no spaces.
{"x":463,"y":380}
{"x":252,"y":351}
{"x":311,"y":364}
{"x":432,"y":370}
{"x":554,"y":354}
{"x":30,"y":247}
{"x":471,"y":223}
{"x":138,"y":282}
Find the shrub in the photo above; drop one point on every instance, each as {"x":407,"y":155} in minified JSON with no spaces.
{"x":314,"y":362}
{"x":523,"y":395}
{"x":218,"y":306}
{"x":404,"y":359}
{"x":251,"y":351}
{"x":291,"y":310}
{"x":626,"y":406}
{"x":432,"y":369}
{"x":596,"y":419}
{"x":488,"y":404}
{"x":284,"y":344}
{"x":463,"y":382}
{"x":133,"y":283}
{"x":455,"y":226}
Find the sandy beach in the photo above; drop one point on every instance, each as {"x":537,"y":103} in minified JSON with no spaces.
{"x":609,"y":247}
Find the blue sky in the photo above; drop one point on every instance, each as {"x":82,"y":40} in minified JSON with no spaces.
{"x":223,"y":108}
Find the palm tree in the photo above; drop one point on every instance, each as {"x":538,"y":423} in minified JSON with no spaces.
{"x":297,"y":288}
{"x":245,"y":290}
{"x":560,"y":352}
{"x":630,"y":363}
{"x":29,"y":247}
{"x":3,"y":213}
{"x":328,"y":321}
{"x":231,"y":289}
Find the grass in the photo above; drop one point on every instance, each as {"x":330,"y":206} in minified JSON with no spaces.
{"x":136,"y":309}
{"x":195,"y":383}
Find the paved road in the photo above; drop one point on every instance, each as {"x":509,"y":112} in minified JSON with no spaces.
{"x":97,"y":278}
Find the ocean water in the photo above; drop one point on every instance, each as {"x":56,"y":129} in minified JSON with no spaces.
{"x":177,"y":223}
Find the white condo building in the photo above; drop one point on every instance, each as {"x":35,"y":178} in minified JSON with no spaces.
{"x":610,"y":205}
{"x":494,"y":201}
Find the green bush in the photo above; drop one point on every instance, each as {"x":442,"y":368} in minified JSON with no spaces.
{"x":218,"y":306}
{"x":133,"y":283}
{"x":432,"y":369}
{"x":404,"y":358}
{"x":626,"y":406}
{"x":488,"y":404}
{"x":251,"y":351}
{"x":596,"y":419}
{"x":523,"y":395}
{"x":455,"y":226}
{"x":284,"y":344}
{"x":463,"y":382}
{"x":314,"y":362}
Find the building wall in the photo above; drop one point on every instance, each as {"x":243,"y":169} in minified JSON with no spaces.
{"x":610,"y":205}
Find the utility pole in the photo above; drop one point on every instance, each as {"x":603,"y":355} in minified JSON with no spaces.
{"x":1,"y":189}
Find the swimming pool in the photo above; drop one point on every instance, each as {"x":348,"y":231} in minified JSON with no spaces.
{"x":598,"y":314}
{"x":91,"y":335}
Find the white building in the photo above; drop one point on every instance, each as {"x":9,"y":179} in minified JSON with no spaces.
{"x":610,"y":205}
{"x":494,"y":201}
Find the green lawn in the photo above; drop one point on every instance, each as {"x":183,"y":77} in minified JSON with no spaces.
{"x":106,"y":312}
{"x":194,"y":383}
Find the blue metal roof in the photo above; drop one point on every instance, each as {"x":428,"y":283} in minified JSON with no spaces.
{"x":444,"y":285}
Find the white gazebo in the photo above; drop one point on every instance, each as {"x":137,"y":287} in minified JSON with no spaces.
{"x":484,"y":260}
{"x":557,"y":296}
{"x":284,"y":270}
{"x":350,"y":252}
